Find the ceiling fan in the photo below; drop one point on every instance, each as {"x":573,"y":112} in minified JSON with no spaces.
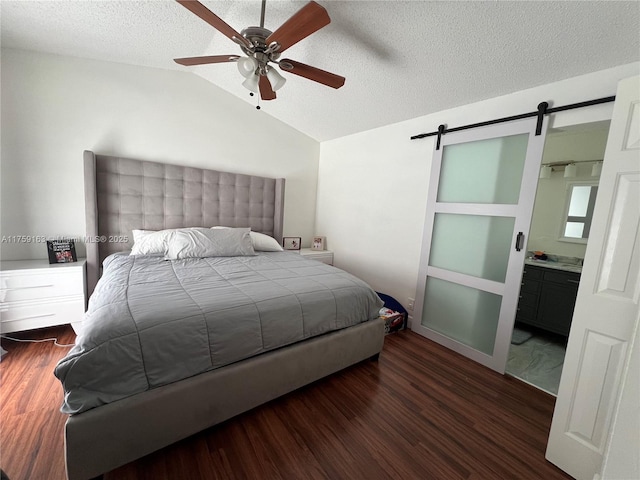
{"x":264,"y":47}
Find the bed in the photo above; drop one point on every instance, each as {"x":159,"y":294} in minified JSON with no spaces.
{"x":122,"y":195}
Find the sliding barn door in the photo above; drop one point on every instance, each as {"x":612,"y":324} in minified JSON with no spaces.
{"x":480,"y":202}
{"x":605,"y":318}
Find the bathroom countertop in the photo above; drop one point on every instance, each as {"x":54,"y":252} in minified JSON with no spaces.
{"x":554,"y":265}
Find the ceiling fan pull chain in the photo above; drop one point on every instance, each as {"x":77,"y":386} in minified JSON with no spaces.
{"x":257,"y":106}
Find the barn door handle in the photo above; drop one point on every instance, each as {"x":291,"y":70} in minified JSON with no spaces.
{"x":519,"y":241}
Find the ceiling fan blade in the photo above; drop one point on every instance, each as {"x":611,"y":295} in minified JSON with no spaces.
{"x":266,"y":92}
{"x":212,"y":19}
{"x":189,"y":61}
{"x":312,"y":73}
{"x":310,"y":18}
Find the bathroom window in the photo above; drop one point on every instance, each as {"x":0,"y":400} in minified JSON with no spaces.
{"x":578,"y":211}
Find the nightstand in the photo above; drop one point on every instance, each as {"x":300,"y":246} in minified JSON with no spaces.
{"x":324,"y":256}
{"x":35,"y":294}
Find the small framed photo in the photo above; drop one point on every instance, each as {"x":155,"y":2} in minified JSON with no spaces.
{"x":291,"y":243}
{"x":319,"y":243}
{"x":61,"y":251}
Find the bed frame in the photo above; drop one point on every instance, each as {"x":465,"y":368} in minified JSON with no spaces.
{"x":122,"y":195}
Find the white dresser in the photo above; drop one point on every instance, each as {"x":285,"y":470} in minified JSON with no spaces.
{"x":35,"y":294}
{"x":324,"y":256}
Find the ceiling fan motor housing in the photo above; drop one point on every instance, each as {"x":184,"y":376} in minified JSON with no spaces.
{"x":258,"y":38}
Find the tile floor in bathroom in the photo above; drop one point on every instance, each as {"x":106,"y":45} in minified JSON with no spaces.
{"x":539,"y":359}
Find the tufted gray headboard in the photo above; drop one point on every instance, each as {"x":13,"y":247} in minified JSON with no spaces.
{"x":123,"y":194}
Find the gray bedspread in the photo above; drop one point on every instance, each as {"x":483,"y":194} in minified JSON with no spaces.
{"x":152,"y":322}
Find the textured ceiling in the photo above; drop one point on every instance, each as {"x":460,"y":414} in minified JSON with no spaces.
{"x":402,"y":59}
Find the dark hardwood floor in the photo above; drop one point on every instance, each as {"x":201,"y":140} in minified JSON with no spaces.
{"x":420,"y":412}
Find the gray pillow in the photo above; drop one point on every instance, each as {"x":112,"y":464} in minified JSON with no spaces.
{"x":205,"y":242}
{"x":261,"y":242}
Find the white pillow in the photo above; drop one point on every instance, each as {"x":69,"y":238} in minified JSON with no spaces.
{"x":150,"y":242}
{"x":261,"y":242}
{"x":204,"y":242}
{"x":265,"y":243}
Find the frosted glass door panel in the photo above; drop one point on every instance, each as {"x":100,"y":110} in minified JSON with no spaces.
{"x":483,"y":171}
{"x":480,"y":200}
{"x":475,"y":245}
{"x":465,"y":314}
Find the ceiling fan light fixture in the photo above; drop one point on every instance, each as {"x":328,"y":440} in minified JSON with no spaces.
{"x":276,"y":80}
{"x":247,"y":66}
{"x":251,"y":83}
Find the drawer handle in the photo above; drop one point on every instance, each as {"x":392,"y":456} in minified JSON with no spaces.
{"x":577,"y":282}
{"x":24,"y":288}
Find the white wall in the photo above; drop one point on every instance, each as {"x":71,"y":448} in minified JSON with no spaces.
{"x":55,"y":107}
{"x":372,"y":185}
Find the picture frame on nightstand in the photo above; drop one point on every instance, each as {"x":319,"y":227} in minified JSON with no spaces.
{"x":291,"y":243}
{"x":61,"y":251}
{"x":319,"y":243}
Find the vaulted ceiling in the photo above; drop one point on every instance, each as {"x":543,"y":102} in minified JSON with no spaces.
{"x":401,"y":59}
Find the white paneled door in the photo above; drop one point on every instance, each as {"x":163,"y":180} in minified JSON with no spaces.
{"x":597,"y":364}
{"x":479,"y":207}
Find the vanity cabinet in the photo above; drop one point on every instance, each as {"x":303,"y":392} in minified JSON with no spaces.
{"x":547,"y":298}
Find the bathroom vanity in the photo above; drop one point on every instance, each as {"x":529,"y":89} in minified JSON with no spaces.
{"x":548,"y":295}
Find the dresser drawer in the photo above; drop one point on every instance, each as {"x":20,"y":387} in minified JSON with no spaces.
{"x":328,"y":259}
{"x":37,"y":315}
{"x":563,"y":278}
{"x":324,"y":256}
{"x":25,"y":285}
{"x":36,"y":294}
